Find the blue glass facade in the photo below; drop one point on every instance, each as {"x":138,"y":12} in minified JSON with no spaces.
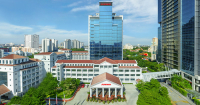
{"x":159,"y":11}
{"x":3,"y":78}
{"x":158,"y":58}
{"x":105,"y":35}
{"x":188,"y":13}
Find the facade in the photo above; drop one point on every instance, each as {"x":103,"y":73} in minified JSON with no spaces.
{"x":80,"y":55}
{"x":67,"y":44}
{"x":1,"y":53}
{"x":19,"y":73}
{"x":105,"y":33}
{"x":68,"y":53}
{"x":180,"y":38}
{"x":26,"y":49}
{"x":81,"y":45}
{"x":5,"y":49}
{"x":19,"y":52}
{"x":49,"y":45}
{"x":154,"y":48}
{"x":128,"y":46}
{"x":75,"y":44}
{"x":31,"y":41}
{"x":85,"y":70}
{"x":49,"y":59}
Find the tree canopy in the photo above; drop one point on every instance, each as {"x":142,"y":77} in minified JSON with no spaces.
{"x":78,"y":49}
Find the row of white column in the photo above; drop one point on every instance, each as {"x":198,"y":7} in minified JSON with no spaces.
{"x":108,"y":92}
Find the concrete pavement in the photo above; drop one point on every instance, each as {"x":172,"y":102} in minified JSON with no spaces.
{"x":177,"y":97}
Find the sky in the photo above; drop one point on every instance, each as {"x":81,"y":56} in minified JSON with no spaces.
{"x":68,"y":19}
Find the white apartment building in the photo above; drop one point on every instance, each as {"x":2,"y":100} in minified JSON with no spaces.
{"x":80,"y":55}
{"x":19,"y":73}
{"x":31,"y":41}
{"x":154,"y":47}
{"x":26,"y":49}
{"x":19,"y":52}
{"x":128,"y":46}
{"x":67,"y":44}
{"x":85,"y":70}
{"x":68,"y":53}
{"x":81,"y":45}
{"x":75,"y":44}
{"x":49,"y":59}
{"x":49,"y":45}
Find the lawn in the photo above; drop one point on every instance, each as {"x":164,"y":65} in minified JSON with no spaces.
{"x":60,"y":94}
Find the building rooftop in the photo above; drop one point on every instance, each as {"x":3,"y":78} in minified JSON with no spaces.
{"x":97,"y":61}
{"x":58,"y":53}
{"x":106,"y":76}
{"x":63,"y":49}
{"x":45,"y":53}
{"x":13,"y":56}
{"x":79,"y":51}
{"x":3,"y":89}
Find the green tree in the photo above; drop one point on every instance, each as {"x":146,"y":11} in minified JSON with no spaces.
{"x":163,"y":91}
{"x":76,"y":49}
{"x":15,"y":100}
{"x":140,"y":51}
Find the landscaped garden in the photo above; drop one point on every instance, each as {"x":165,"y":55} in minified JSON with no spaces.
{"x":106,"y":99}
{"x":151,"y":93}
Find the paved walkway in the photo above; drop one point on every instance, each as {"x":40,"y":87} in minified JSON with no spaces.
{"x":177,"y":97}
{"x":131,"y":95}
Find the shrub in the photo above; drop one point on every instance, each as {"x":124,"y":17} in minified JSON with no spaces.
{"x":115,"y":100}
{"x":93,"y":99}
{"x":125,"y":100}
{"x":96,"y":100}
{"x":90,"y":99}
{"x":88,"y":92}
{"x":119,"y":100}
{"x":108,"y":102}
{"x":124,"y":93}
{"x":112,"y":101}
{"x":99,"y":101}
{"x":104,"y":102}
{"x":87,"y":99}
{"x":196,"y":101}
{"x":122,"y":100}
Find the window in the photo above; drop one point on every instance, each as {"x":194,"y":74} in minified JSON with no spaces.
{"x":96,"y":70}
{"x":96,"y":65}
{"x":53,"y":73}
{"x":68,"y":74}
{"x":138,"y":70}
{"x":126,"y":74}
{"x":84,"y":70}
{"x":73,"y":74}
{"x":73,"y":70}
{"x":90,"y":70}
{"x":90,"y":74}
{"x":121,"y":74}
{"x":101,"y":66}
{"x":114,"y":65}
{"x":53,"y":69}
{"x":115,"y":74}
{"x":120,"y":70}
{"x":84,"y":74}
{"x":115,"y":70}
{"x":105,"y":66}
{"x":121,"y":79}
{"x":126,"y":70}
{"x":110,"y":66}
{"x":132,"y":74}
{"x":96,"y":74}
{"x":79,"y":70}
{"x":137,"y":74}
{"x":126,"y":79}
{"x":132,"y":70}
{"x":89,"y":79}
{"x":132,"y":79}
{"x":10,"y":79}
{"x":84,"y":78}
{"x":78,"y":74}
{"x":68,"y":70}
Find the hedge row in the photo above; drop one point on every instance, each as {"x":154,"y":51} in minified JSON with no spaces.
{"x":182,"y":91}
{"x":196,"y":101}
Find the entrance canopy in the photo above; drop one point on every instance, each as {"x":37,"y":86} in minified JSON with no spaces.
{"x":3,"y":90}
{"x":106,"y":80}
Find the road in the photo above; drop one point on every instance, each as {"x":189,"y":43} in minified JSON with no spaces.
{"x":176,"y":97}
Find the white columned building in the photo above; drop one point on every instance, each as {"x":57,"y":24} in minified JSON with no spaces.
{"x":106,"y":81}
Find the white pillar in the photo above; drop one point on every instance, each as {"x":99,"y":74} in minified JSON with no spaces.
{"x":109,"y":92}
{"x":96,"y":92}
{"x":121,"y":91}
{"x":102,"y":92}
{"x":115,"y":92}
{"x":90,"y":92}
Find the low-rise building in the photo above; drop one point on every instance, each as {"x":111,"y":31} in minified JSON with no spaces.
{"x":128,"y":46}
{"x":68,"y":53}
{"x":80,"y":55}
{"x":19,"y":73}
{"x":85,"y":70}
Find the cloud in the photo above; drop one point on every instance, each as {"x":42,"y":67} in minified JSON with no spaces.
{"x":93,"y":7}
{"x":134,"y":41}
{"x":74,"y":4}
{"x":13,"y":33}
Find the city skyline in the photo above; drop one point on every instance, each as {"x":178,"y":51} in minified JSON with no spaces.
{"x":60,"y":19}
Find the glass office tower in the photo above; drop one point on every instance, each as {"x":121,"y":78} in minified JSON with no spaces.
{"x":105,"y":33}
{"x":181,"y":37}
{"x":158,"y":58}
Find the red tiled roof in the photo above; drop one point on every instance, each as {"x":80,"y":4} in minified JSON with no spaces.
{"x":3,"y":89}
{"x":13,"y":56}
{"x":78,"y":67}
{"x":53,"y":67}
{"x":79,"y":51}
{"x":7,"y":65}
{"x":129,"y":67}
{"x":44,"y":53}
{"x":97,"y":61}
{"x":105,"y":76}
{"x":58,"y":53}
{"x":36,"y":60}
{"x":74,"y":61}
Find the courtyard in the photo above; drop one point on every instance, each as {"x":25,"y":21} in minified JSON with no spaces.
{"x":81,"y":96}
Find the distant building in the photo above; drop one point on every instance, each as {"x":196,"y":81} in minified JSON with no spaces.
{"x":19,"y":52}
{"x":49,"y":45}
{"x":75,"y":44}
{"x":154,"y":47}
{"x":27,"y":49}
{"x":81,"y":45}
{"x":67,"y":44}
{"x":1,"y":53}
{"x":31,"y":41}
{"x":128,"y":46}
{"x":80,"y":55}
{"x":5,"y":49}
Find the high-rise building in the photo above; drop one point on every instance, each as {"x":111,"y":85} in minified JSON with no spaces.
{"x":105,"y":33}
{"x":81,"y":45}
{"x":154,"y":47}
{"x":31,"y":41}
{"x":67,"y":44}
{"x":75,"y":43}
{"x":180,"y":27}
{"x":49,"y":45}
